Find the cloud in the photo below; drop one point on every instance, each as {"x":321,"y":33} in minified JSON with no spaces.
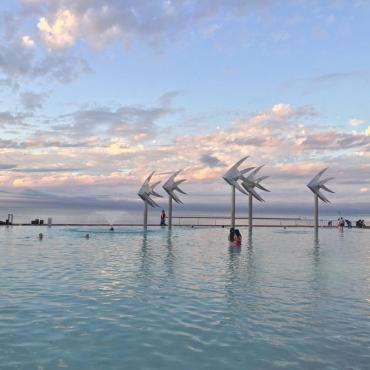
{"x":62,"y":30}
{"x":135,"y":123}
{"x":333,"y":140}
{"x":340,"y":76}
{"x":153,"y":22}
{"x":8,"y":144}
{"x":5,"y":167}
{"x":10,"y":119}
{"x":21,"y":58}
{"x":47,"y":169}
{"x":279,"y":137}
{"x":210,"y":161}
{"x":20,"y":63}
{"x":356,"y":122}
{"x":31,"y":100}
{"x":27,"y":42}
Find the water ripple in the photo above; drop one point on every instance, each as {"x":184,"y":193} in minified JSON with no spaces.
{"x":184,"y":300}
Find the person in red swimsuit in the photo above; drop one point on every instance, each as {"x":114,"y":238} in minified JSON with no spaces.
{"x":163,"y":218}
{"x":238,"y":238}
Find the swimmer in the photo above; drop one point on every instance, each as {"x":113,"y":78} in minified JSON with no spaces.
{"x":111,"y":228}
{"x":87,"y":236}
{"x":232,"y":238}
{"x":238,"y":238}
{"x":41,"y":236}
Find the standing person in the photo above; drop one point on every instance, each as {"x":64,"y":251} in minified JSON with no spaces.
{"x":163,"y":218}
{"x":340,"y":223}
{"x":238,"y":238}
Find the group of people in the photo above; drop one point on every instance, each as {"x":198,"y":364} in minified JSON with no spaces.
{"x":341,"y":223}
{"x":344,"y":222}
{"x":235,"y":238}
{"x":360,"y":223}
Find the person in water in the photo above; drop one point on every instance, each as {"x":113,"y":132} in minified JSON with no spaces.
{"x":234,"y":239}
{"x":163,"y":218}
{"x":238,"y":238}
{"x":231,"y":237}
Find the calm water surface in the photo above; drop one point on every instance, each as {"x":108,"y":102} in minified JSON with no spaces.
{"x":184,"y":300}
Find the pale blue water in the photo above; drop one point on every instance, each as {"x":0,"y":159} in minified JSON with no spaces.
{"x":184,"y":300}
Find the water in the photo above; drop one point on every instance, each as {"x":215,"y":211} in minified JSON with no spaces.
{"x":183,"y":300}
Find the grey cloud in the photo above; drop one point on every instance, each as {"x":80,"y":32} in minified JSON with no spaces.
{"x":49,"y":140}
{"x":255,"y":141}
{"x":167,"y":98}
{"x":31,"y":100}
{"x":9,"y":119}
{"x":62,"y":68}
{"x":9,"y":144}
{"x":311,"y":85}
{"x":155,"y":22}
{"x":356,"y":181}
{"x":17,"y":62}
{"x":334,"y":141}
{"x":47,"y":169}
{"x":5,"y":166}
{"x":14,"y":60}
{"x":211,"y":160}
{"x":340,"y":76}
{"x":126,"y":121}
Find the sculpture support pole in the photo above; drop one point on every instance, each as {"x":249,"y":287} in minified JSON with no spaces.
{"x":232,"y":206}
{"x":250,"y":218}
{"x":316,"y":213}
{"x":170,"y":212}
{"x":146,"y":215}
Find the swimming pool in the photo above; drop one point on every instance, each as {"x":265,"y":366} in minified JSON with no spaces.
{"x":183,"y":299}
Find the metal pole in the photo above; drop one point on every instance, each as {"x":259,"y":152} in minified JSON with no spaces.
{"x":146,"y":215}
{"x":250,"y":218}
{"x":170,"y":212}
{"x":233,"y":206}
{"x":316,"y":213}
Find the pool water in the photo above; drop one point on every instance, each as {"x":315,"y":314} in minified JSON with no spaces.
{"x":183,"y":299}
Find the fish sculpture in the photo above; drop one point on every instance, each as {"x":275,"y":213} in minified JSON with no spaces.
{"x":251,"y":182}
{"x":316,"y":184}
{"x":147,"y":190}
{"x":172,"y":185}
{"x":234,"y":174}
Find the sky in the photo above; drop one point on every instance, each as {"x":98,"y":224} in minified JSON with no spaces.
{"x":97,"y":94}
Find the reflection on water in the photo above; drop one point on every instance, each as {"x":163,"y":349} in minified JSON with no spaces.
{"x":170,"y":257}
{"x":144,"y":260}
{"x":234,"y":261}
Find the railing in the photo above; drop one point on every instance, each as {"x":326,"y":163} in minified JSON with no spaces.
{"x":243,"y":221}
